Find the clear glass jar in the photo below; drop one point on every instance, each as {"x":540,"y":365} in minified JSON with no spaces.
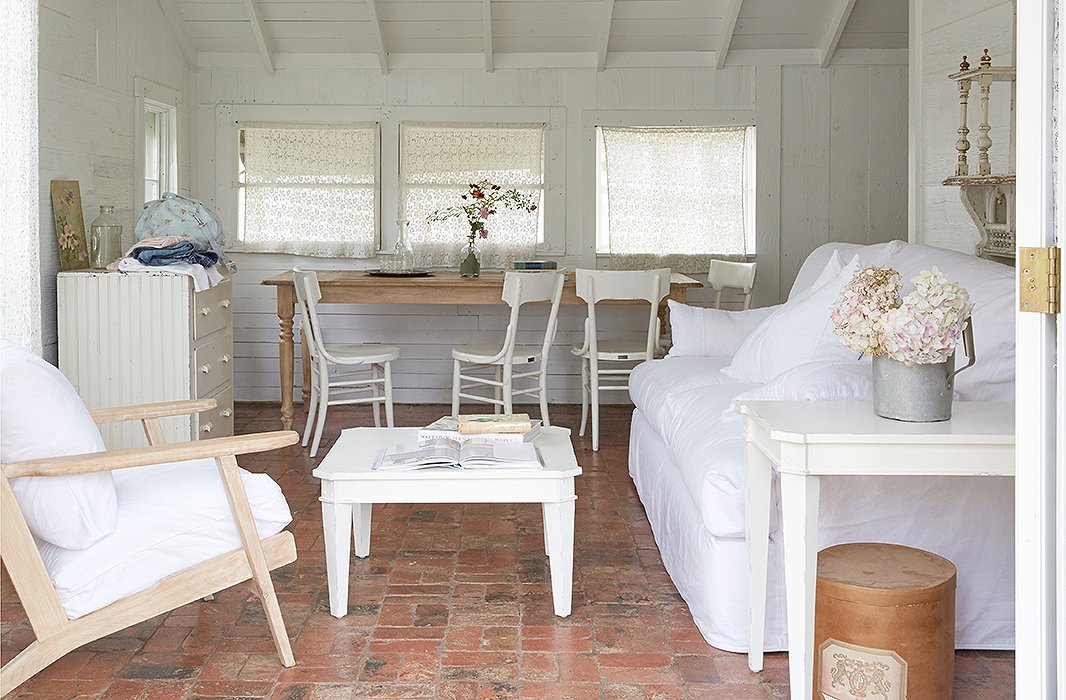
{"x":105,"y":238}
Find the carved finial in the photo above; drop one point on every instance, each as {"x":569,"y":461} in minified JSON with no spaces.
{"x":986,"y":60}
{"x":964,"y":65}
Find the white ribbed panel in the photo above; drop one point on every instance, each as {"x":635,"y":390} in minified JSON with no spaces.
{"x":127,"y":339}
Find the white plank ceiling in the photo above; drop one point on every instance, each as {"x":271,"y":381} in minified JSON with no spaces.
{"x":533,"y":33}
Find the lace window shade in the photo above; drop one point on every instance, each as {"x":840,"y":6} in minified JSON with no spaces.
{"x":309,"y":190}
{"x":676,"y":197}
{"x":438,"y":163}
{"x":20,"y":321}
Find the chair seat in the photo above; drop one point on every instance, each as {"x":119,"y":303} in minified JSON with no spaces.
{"x":170,"y":517}
{"x":618,"y":350}
{"x":362,"y":352}
{"x":483,"y":352}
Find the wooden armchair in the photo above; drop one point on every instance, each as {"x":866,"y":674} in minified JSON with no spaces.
{"x":56,"y":633}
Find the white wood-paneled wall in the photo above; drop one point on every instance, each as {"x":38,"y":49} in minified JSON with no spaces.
{"x":831,"y":166}
{"x":942,"y":31}
{"x":90,"y":53}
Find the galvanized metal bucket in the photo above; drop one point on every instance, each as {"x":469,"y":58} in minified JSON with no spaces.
{"x":917,"y":393}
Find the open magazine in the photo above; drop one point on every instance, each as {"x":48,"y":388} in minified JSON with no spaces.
{"x":451,"y":454}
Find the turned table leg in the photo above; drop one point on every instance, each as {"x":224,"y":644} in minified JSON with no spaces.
{"x":286,"y":352}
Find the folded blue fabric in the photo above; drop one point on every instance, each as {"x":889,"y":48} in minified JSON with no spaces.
{"x":184,"y":252}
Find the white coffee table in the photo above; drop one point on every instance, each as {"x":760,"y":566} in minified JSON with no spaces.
{"x":350,"y":488}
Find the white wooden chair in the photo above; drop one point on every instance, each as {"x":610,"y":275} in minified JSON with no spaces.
{"x":737,"y":275}
{"x":621,"y":356}
{"x":57,"y":634}
{"x":518,"y":288}
{"x":372,"y":371}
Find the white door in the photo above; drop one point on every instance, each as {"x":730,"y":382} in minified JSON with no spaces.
{"x":1040,"y":484}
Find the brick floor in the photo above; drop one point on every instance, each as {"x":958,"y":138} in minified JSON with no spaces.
{"x":453,"y":603}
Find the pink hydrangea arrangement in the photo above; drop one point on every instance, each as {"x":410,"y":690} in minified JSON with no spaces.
{"x":923,"y":327}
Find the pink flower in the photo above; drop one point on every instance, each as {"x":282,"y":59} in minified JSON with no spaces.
{"x":483,"y":233}
{"x":484,"y":212}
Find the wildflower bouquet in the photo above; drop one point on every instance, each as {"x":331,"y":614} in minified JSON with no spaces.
{"x":480,"y":203}
{"x":921,"y":328}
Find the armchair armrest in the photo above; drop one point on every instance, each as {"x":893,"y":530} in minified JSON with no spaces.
{"x":144,"y":456}
{"x":118,"y":414}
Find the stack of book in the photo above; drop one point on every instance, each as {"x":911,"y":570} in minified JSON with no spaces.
{"x":502,"y":427}
{"x":489,"y":441}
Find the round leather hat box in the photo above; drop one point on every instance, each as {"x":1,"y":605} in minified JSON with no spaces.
{"x":884,"y":624}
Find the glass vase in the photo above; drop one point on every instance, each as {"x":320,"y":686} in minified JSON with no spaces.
{"x":105,"y":238}
{"x":470,"y":260}
{"x":404,"y":254}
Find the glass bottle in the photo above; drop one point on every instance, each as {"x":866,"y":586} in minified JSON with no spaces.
{"x":105,"y":238}
{"x":404,"y":255}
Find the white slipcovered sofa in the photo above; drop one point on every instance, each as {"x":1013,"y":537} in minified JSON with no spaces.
{"x":686,"y":452}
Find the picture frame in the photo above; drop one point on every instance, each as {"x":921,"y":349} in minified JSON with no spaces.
{"x":70,"y":225}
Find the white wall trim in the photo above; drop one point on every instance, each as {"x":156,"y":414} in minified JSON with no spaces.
{"x":914,"y":122}
{"x":147,"y":90}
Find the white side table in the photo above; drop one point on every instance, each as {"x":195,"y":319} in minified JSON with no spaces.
{"x":350,"y":488}
{"x":811,"y":439}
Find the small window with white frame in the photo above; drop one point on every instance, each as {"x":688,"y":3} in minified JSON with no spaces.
{"x":308,"y":189}
{"x":439,"y":162}
{"x":675,"y":196}
{"x":160,"y":164}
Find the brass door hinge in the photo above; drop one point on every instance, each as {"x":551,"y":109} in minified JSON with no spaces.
{"x":1040,"y":280}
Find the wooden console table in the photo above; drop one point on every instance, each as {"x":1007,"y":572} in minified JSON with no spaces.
{"x":357,"y":287}
{"x":811,"y":439}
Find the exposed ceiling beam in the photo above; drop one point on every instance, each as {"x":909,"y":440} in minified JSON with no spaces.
{"x":486,"y":21}
{"x":375,"y":34}
{"x":177,"y":25}
{"x":605,"y":35}
{"x":836,"y":28}
{"x":729,"y":25}
{"x":259,"y":30}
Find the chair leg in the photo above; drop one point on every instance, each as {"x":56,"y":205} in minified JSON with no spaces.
{"x":312,"y":404}
{"x":594,"y":395}
{"x":584,"y":395}
{"x":497,"y":391}
{"x":455,"y":389}
{"x":376,"y":393}
{"x":253,"y":549}
{"x":323,"y":402}
{"x":388,"y":395}
{"x":508,"y":397}
{"x":543,"y":381}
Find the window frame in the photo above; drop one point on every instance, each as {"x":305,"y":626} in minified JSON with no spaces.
{"x":592,"y":120}
{"x":229,"y":117}
{"x":151,"y":97}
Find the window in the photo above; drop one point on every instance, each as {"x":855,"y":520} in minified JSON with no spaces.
{"x":674,"y":196}
{"x":437,"y":164}
{"x":160,"y":150}
{"x":308,"y":189}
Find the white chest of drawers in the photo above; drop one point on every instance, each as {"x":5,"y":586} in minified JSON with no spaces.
{"x":129,"y":338}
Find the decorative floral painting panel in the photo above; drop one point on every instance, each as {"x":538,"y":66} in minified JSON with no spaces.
{"x":70,"y":225}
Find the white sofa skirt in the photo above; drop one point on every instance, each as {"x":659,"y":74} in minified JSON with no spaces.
{"x":710,"y":572}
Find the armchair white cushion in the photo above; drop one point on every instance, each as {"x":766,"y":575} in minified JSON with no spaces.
{"x":41,"y":415}
{"x":170,"y":517}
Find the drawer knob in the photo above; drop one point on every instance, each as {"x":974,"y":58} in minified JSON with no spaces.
{"x":225,"y":413}
{"x":224,"y":303}
{"x":206,"y":427}
{"x":225,"y":359}
{"x":205,"y":369}
{"x":205,"y":310}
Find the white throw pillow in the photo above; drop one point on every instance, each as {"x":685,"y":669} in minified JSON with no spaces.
{"x":799,"y":332}
{"x":699,"y":332}
{"x":41,"y":415}
{"x":821,"y":380}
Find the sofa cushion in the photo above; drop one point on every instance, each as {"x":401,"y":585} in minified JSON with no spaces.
{"x":653,"y":383}
{"x":821,"y":380}
{"x":170,"y":517}
{"x":711,"y":332}
{"x":799,"y":331}
{"x":41,"y":415}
